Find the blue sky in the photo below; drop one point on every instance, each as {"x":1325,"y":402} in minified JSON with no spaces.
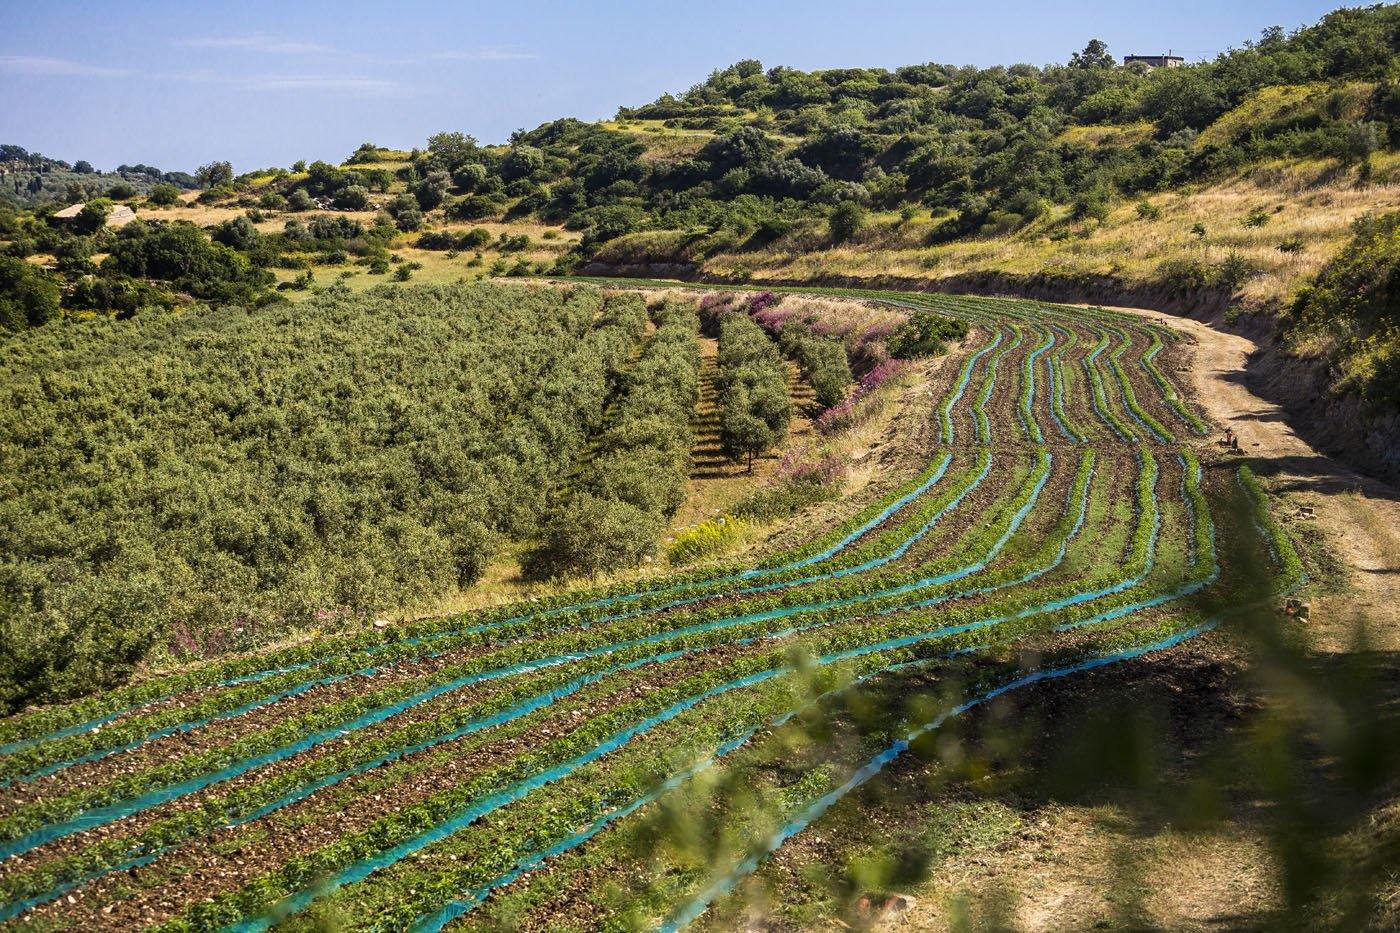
{"x":265,"y":83}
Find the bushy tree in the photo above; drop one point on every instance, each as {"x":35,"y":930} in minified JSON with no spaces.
{"x":1094,"y":55}
{"x":237,"y":233}
{"x":363,"y":154}
{"x":594,"y":536}
{"x":1182,"y":98}
{"x":470,"y":177}
{"x":352,"y":198}
{"x":28,"y":298}
{"x":299,"y":200}
{"x":924,"y":334}
{"x":521,"y":162}
{"x":164,"y":195}
{"x":845,"y":220}
{"x":841,"y":152}
{"x":323,"y":179}
{"x":93,"y":216}
{"x":785,"y":178}
{"x":609,"y":223}
{"x":746,"y":147}
{"x":448,"y":151}
{"x":755,"y":410}
{"x":432,"y":189}
{"x":473,"y":207}
{"x":215,"y":174}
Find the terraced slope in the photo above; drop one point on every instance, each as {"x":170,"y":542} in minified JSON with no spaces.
{"x":1067,"y":512}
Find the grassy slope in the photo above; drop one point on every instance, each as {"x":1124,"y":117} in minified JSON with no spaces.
{"x":438,"y":267}
{"x":1312,"y":202}
{"x":1310,"y":205}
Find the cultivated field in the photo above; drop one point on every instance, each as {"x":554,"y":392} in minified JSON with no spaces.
{"x":632,"y":755}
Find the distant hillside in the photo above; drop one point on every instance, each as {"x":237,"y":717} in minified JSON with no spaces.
{"x":29,"y":179}
{"x":753,"y":156}
{"x":752,"y":152}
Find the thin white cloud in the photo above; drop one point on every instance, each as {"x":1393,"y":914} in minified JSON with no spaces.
{"x":304,"y":82}
{"x":271,"y":45}
{"x":453,"y":55}
{"x":38,"y":65}
{"x":484,"y":55}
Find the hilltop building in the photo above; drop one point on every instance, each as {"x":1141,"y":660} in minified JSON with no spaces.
{"x":1156,"y":61}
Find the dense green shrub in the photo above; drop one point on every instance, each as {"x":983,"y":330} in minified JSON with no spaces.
{"x":474,"y":207}
{"x":237,"y":233}
{"x":635,"y":478}
{"x":925,"y":334}
{"x":430,"y":191}
{"x":845,"y":220}
{"x":299,"y":200}
{"x":28,"y":297}
{"x":183,"y":256}
{"x":754,"y":407}
{"x":595,"y":535}
{"x":210,"y":479}
{"x":93,"y":216}
{"x":352,"y":198}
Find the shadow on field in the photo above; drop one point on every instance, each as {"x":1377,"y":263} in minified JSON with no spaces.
{"x":1224,"y":735}
{"x":1244,"y":746}
{"x":1317,"y":475}
{"x":1210,"y":741}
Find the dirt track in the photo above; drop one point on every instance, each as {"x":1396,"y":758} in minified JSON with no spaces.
{"x":1358,"y":516}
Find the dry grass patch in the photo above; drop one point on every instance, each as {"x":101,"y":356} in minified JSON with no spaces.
{"x":1307,"y":209}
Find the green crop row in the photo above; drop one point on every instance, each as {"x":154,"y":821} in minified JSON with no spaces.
{"x":52,"y":809}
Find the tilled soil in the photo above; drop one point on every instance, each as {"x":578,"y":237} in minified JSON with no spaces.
{"x":199,"y":873}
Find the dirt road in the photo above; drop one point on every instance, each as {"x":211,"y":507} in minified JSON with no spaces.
{"x":1358,"y":517}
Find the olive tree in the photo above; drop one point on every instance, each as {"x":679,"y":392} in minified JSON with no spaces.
{"x":215,"y":174}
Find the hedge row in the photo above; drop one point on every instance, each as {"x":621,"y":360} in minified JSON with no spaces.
{"x":635,"y":479}
{"x":754,"y":407}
